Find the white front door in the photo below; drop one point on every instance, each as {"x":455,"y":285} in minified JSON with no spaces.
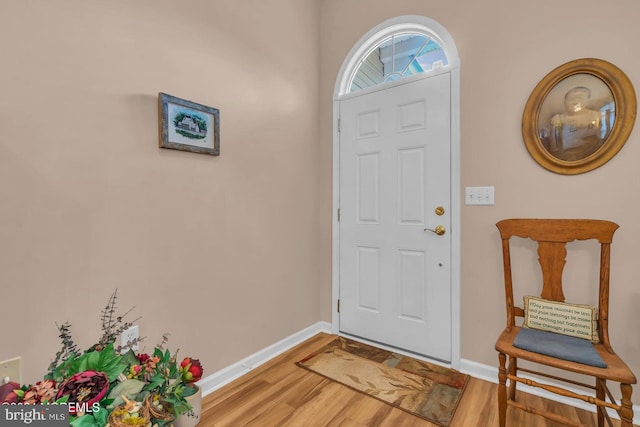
{"x":395,"y":186}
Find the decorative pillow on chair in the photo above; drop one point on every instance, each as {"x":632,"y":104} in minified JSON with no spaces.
{"x":574,"y":320}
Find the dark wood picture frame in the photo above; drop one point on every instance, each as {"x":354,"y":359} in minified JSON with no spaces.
{"x":579,"y":116}
{"x":188,"y":126}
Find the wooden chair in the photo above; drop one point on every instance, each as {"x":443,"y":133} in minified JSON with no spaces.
{"x":552,"y":236}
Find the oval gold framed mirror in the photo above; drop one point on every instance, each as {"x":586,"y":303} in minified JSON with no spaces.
{"x":579,"y":116}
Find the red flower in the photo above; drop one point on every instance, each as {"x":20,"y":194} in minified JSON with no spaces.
{"x":191,"y":370}
{"x":143,"y":357}
{"x":134,"y":371}
{"x":7,"y":393}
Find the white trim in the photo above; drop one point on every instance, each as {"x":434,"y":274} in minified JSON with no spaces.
{"x":490,"y":373}
{"x":224,"y":376}
{"x":335,"y":233}
{"x":456,"y":312}
{"x":381,"y":31}
{"x":394,"y":83}
{"x":479,"y":370}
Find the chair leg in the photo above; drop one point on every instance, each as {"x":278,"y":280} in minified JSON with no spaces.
{"x":513,"y":370}
{"x":502,"y":389}
{"x":626,"y":412}
{"x":600,"y":394}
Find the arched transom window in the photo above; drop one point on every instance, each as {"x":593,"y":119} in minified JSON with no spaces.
{"x":397,"y":57}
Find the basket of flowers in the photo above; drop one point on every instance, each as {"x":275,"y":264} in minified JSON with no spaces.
{"x":106,"y":386}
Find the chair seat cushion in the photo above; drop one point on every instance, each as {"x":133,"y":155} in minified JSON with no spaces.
{"x":560,"y":346}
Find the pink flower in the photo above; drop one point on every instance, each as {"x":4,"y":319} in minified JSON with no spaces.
{"x":85,"y":387}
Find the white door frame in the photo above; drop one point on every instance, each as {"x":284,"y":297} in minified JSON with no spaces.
{"x":409,"y":23}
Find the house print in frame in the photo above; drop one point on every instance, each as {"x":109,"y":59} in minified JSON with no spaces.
{"x":188,"y":126}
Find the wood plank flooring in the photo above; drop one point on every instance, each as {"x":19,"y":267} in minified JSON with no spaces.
{"x":279,"y":393}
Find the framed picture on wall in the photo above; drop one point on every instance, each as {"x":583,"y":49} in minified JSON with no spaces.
{"x":188,"y":126}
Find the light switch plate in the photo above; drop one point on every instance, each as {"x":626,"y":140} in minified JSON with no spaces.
{"x":479,"y":195}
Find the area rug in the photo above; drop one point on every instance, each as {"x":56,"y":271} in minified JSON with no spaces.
{"x":423,"y":389}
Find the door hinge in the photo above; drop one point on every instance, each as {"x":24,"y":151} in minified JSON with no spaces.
{"x":338,"y":306}
{"x":339,"y":121}
{"x":338,"y":214}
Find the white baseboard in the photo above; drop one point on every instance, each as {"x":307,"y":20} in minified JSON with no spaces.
{"x":224,"y":376}
{"x":490,"y":373}
{"x":477,"y":370}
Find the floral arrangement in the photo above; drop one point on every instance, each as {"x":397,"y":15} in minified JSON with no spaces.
{"x":104,"y":387}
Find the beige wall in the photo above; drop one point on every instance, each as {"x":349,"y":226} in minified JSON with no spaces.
{"x":221,"y":252}
{"x":233,"y":253}
{"x":506,"y":48}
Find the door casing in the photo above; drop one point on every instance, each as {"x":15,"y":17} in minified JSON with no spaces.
{"x":383,"y":30}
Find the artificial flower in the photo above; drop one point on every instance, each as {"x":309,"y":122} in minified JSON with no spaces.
{"x":191,"y":370}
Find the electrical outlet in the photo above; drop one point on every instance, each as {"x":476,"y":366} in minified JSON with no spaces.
{"x":10,"y":369}
{"x":129,"y":339}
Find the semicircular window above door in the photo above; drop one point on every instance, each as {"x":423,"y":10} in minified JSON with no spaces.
{"x":397,"y":57}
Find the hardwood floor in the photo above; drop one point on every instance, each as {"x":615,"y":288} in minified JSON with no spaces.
{"x":279,"y":393}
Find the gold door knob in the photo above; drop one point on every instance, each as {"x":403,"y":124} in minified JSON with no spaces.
{"x":439,"y":230}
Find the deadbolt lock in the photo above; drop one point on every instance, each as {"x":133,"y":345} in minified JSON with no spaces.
{"x":439,"y":211}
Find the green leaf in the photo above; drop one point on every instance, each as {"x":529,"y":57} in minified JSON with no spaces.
{"x":181,"y":407}
{"x":154,"y":382}
{"x":106,"y":361}
{"x":110,"y":363}
{"x":106,"y":401}
{"x":88,"y":361}
{"x":63,"y":399}
{"x":84,"y":421}
{"x":189,"y":391}
{"x":101,"y":417}
{"x":130,"y":388}
{"x":163,"y":423}
{"x":130,"y":358}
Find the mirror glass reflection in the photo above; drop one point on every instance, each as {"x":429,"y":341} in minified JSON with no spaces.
{"x":576,"y":117}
